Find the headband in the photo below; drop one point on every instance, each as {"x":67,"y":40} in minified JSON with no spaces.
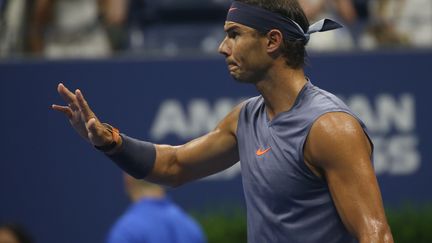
{"x":263,"y":21}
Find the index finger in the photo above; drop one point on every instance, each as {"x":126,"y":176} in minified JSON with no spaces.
{"x":66,"y":94}
{"x":84,"y":107}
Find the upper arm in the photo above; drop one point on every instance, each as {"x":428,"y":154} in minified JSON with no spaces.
{"x":338,"y":146}
{"x":206,"y":155}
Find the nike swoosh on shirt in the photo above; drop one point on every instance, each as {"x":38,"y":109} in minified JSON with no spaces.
{"x":232,"y":9}
{"x":260,"y":152}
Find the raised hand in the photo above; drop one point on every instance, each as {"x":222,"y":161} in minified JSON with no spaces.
{"x":82,"y":118}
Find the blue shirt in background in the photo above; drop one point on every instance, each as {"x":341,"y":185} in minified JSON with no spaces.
{"x":155,"y":221}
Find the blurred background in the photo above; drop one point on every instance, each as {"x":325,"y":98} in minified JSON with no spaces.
{"x":151,"y":68}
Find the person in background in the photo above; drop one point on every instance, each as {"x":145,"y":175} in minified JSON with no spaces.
{"x":78,"y":28}
{"x":399,"y":23}
{"x":342,"y":10}
{"x":13,"y":19}
{"x":153,"y":218}
{"x":13,"y":233}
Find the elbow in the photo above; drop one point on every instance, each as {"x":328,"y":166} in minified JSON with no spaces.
{"x":379,"y":235}
{"x":386,"y":235}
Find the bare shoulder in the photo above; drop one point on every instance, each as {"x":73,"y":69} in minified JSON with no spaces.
{"x":337,"y":125}
{"x":334,"y":137}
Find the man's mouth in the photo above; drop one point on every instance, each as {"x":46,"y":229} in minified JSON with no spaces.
{"x":232,"y":67}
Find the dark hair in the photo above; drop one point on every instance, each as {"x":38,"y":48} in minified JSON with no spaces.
{"x":294,"y":51}
{"x":18,"y":231}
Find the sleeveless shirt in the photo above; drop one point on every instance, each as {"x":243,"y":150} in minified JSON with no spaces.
{"x":285,"y":201}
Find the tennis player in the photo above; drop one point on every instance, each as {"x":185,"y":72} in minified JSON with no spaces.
{"x":305,"y":157}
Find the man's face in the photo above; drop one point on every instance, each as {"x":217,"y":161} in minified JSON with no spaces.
{"x":245,"y":53}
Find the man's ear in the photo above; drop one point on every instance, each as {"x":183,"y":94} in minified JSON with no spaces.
{"x":275,"y":40}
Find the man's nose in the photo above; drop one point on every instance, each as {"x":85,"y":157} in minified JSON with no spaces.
{"x":223,"y":48}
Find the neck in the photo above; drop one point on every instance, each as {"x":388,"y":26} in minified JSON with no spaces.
{"x":280,"y":88}
{"x":155,"y":193}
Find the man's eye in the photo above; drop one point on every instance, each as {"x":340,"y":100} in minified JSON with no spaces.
{"x":232,"y":34}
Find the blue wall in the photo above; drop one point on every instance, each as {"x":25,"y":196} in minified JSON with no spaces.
{"x":64,"y":191}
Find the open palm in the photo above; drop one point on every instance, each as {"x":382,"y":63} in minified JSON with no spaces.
{"x":81,"y":117}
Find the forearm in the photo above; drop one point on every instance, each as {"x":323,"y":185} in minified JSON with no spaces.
{"x":176,"y":165}
{"x":144,"y":160}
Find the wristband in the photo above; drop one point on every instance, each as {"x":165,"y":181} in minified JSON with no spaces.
{"x":134,"y":156}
